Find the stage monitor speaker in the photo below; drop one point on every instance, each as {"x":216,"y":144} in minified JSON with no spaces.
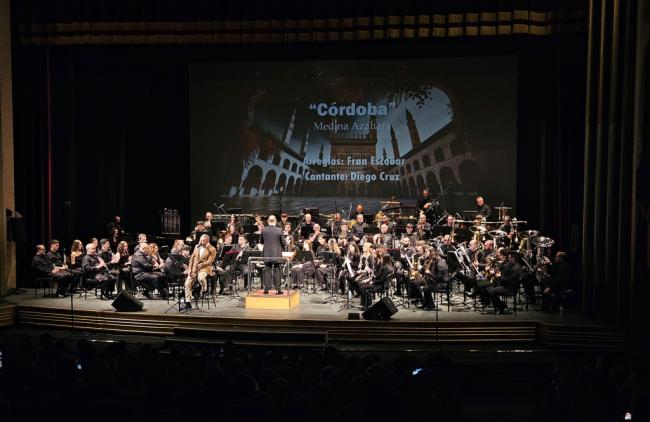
{"x":353,"y":315}
{"x":126,"y":302}
{"x":383,"y":310}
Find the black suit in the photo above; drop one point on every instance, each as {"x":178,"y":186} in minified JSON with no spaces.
{"x":97,"y":276}
{"x":44,"y":268}
{"x":274,"y":243}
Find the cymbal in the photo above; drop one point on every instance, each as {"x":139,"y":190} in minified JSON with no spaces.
{"x":502,"y":208}
{"x":528,"y":233}
{"x":393,"y":213}
{"x":478,"y":229}
{"x":542,"y":241}
{"x":389,"y":202}
{"x":497,"y":233}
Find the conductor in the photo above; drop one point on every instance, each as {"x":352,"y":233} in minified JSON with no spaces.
{"x":274,"y":243}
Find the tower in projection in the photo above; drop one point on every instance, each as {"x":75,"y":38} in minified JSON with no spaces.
{"x":353,"y":149}
{"x":413,"y":130}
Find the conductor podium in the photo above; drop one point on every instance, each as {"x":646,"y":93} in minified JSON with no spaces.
{"x":289,"y":299}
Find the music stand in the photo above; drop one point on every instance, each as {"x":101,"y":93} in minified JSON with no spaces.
{"x":329,"y":258}
{"x":246,"y":255}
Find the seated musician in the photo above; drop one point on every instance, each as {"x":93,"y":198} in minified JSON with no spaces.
{"x":313,"y":237}
{"x":382,"y":275}
{"x":96,"y":272}
{"x":240,"y":265}
{"x":349,"y":268}
{"x":157,"y":259}
{"x":177,"y":261}
{"x":109,"y":257}
{"x":207,"y":220}
{"x":482,"y":208}
{"x":423,"y":228}
{"x":359,"y":229}
{"x":410,"y":234}
{"x":507,"y":224}
{"x":365,"y":269}
{"x":509,"y":275}
{"x":322,"y":270}
{"x":451,"y":222}
{"x":345,"y":235}
{"x":147,"y":273}
{"x":233,"y":221}
{"x":76,"y":256}
{"x":436,"y":277}
{"x":43,"y":267}
{"x":558,"y":282}
{"x":142,"y":238}
{"x":335,"y":225}
{"x":200,"y":230}
{"x":383,"y":237}
{"x":124,"y":276}
{"x":359,"y":209}
{"x":284,"y":220}
{"x":307,"y":227}
{"x":305,"y":269}
{"x":404,"y":266}
{"x":200,"y":267}
{"x":223,"y":274}
{"x":260,"y":227}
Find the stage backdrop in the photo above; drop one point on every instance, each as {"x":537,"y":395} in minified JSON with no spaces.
{"x":329,"y":134}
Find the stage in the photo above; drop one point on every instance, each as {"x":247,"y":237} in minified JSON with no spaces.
{"x":312,"y":323}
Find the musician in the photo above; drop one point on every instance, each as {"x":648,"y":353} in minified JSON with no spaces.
{"x":436,"y":277}
{"x":404,"y":266}
{"x":510,"y":275}
{"x":284,"y":220}
{"x":208,"y":220}
{"x":365,"y":269}
{"x":223,"y":274}
{"x":359,"y":228}
{"x":176,"y":264}
{"x":410,"y":234}
{"x":145,"y":272}
{"x":423,"y":228}
{"x":383,"y":237}
{"x":124,"y":276}
{"x":350,"y":267}
{"x":43,"y":267}
{"x":54,"y":256}
{"x":159,"y":264}
{"x":482,"y":208}
{"x":260,"y":227}
{"x":287,"y":232}
{"x":241,"y":266}
{"x":306,"y":269}
{"x":76,"y":256}
{"x":142,"y":238}
{"x":199,"y":230}
{"x":507,"y":224}
{"x":378,"y":282}
{"x":451,"y":222}
{"x":425,"y":203}
{"x":233,"y":221}
{"x":200,"y":268}
{"x":96,"y":272}
{"x":335,"y":225}
{"x":307,"y":227}
{"x":109,"y":257}
{"x":345,"y":235}
{"x":558,"y":284}
{"x":314,"y":236}
{"x":113,"y":225}
{"x":359,"y":209}
{"x":274,"y":243}
{"x":114,"y":238}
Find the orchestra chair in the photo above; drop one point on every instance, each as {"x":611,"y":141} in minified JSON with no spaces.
{"x":440,"y":289}
{"x":514,"y":295}
{"x":209,"y":293}
{"x":85,"y":286}
{"x":44,"y":282}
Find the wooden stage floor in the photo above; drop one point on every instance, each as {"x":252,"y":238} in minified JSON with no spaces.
{"x":315,"y":320}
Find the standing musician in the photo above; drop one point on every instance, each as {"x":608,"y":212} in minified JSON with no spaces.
{"x":482,"y":208}
{"x":43,"y":267}
{"x":383,"y":237}
{"x":115,"y":224}
{"x":96,"y":272}
{"x":200,"y":267}
{"x":509,"y":275}
{"x":377,"y":283}
{"x":425,"y":203}
{"x":274,"y":243}
{"x":146,"y":272}
{"x":359,"y":228}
